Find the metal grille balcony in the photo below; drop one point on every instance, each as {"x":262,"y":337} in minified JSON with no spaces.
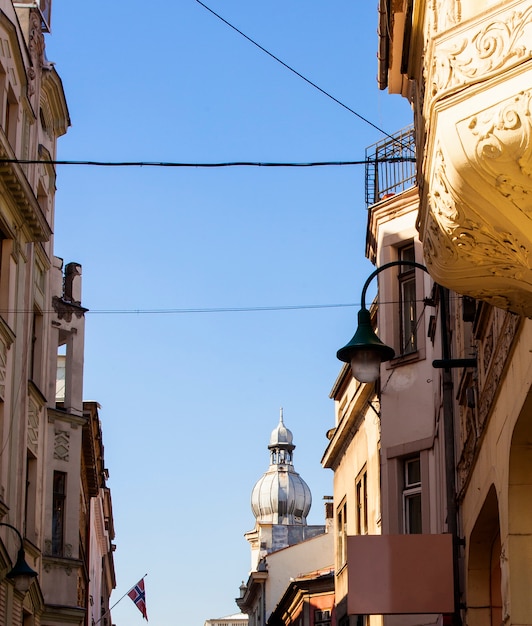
{"x":390,"y":166}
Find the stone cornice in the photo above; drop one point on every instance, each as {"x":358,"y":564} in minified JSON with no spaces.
{"x":16,"y":186}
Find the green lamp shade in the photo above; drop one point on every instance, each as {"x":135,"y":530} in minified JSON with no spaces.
{"x":365,"y":352}
{"x":22,"y":574}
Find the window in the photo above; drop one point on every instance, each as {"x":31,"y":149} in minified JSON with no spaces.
{"x":322,"y":618}
{"x":58,"y":513}
{"x":362,"y":504}
{"x":30,"y":495}
{"x":341,"y":537}
{"x":407,"y":301}
{"x":11,"y":118}
{"x":60,"y":379}
{"x":36,"y":356}
{"x":412,"y":496}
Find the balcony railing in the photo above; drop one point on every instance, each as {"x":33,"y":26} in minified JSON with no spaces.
{"x":390,"y":166}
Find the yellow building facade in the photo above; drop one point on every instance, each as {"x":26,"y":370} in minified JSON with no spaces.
{"x":466,"y":67}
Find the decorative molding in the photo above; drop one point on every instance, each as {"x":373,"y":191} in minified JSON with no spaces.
{"x":476,"y":215}
{"x":479,"y":50}
{"x":33,"y":426}
{"x":492,"y":377}
{"x":66,"y":563}
{"x":65,"y":310}
{"x":3,"y":364}
{"x":7,"y":337}
{"x":61,"y":445}
{"x":445,"y":13}
{"x":497,"y":143}
{"x":494,"y":348}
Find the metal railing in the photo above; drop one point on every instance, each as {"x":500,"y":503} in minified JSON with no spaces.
{"x":390,"y":166}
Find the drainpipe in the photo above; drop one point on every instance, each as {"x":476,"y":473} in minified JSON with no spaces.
{"x":448,"y":430}
{"x":384,"y":43}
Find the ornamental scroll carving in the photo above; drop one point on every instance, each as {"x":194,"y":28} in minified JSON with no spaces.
{"x":445,"y":13}
{"x":477,"y":221}
{"x":495,"y":349}
{"x":502,"y":148}
{"x":489,"y":46}
{"x":456,"y":230}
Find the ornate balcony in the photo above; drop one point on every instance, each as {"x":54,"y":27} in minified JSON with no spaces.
{"x":472,"y":72}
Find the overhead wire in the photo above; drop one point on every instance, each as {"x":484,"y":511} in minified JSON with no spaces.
{"x":233,"y":309}
{"x":204,"y":164}
{"x":294,"y":71}
{"x":177,"y":164}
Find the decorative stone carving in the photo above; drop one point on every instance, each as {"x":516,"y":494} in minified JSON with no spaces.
{"x":3,"y":363}
{"x":494,"y":349}
{"x":62,"y":445}
{"x":476,"y":212}
{"x":33,"y":426}
{"x":36,"y":43}
{"x":503,"y":150}
{"x":65,"y":310}
{"x":481,"y":50}
{"x":505,"y":585}
{"x":475,"y":217}
{"x":460,"y":243}
{"x":445,"y":13}
{"x":490,"y":384}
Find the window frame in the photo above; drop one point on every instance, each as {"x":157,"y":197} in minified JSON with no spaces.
{"x":361,"y":495}
{"x":412,"y":490}
{"x":322,"y":617}
{"x":407,"y":286}
{"x":341,"y":534}
{"x":58,"y":513}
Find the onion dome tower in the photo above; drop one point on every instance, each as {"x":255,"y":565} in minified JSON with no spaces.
{"x":281,"y":496}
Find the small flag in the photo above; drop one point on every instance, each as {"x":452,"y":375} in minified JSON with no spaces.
{"x":138,"y":595}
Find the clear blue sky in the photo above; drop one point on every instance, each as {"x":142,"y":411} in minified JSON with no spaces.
{"x":189,"y":399}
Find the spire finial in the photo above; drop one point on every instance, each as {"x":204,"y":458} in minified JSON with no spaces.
{"x":281,"y":415}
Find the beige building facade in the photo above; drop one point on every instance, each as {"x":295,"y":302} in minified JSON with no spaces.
{"x":388,"y":447}
{"x":455,"y":440}
{"x":353,"y":456}
{"x":53,"y":496}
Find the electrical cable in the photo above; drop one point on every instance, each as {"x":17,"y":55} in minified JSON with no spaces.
{"x":288,"y":67}
{"x":244,"y":309}
{"x":205,"y":165}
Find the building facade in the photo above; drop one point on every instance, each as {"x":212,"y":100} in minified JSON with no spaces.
{"x":238,"y":619}
{"x":52,"y":485}
{"x":353,"y":455}
{"x":308,"y":601}
{"x":283,"y":546}
{"x":455,"y":409}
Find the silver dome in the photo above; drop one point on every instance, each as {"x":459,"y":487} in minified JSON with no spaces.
{"x":281,"y":496}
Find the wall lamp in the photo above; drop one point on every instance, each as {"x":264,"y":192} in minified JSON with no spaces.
{"x":365,"y":352}
{"x":21,"y":574}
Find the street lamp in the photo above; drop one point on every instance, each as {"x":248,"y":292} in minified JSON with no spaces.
{"x":365,"y":352}
{"x":21,"y":574}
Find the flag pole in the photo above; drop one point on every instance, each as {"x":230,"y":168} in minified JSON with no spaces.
{"x":119,"y":600}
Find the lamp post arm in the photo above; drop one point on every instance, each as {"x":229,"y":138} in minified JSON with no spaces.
{"x":16,"y":530}
{"x":448,"y":421}
{"x":385,"y":267}
{"x":21,"y":573}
